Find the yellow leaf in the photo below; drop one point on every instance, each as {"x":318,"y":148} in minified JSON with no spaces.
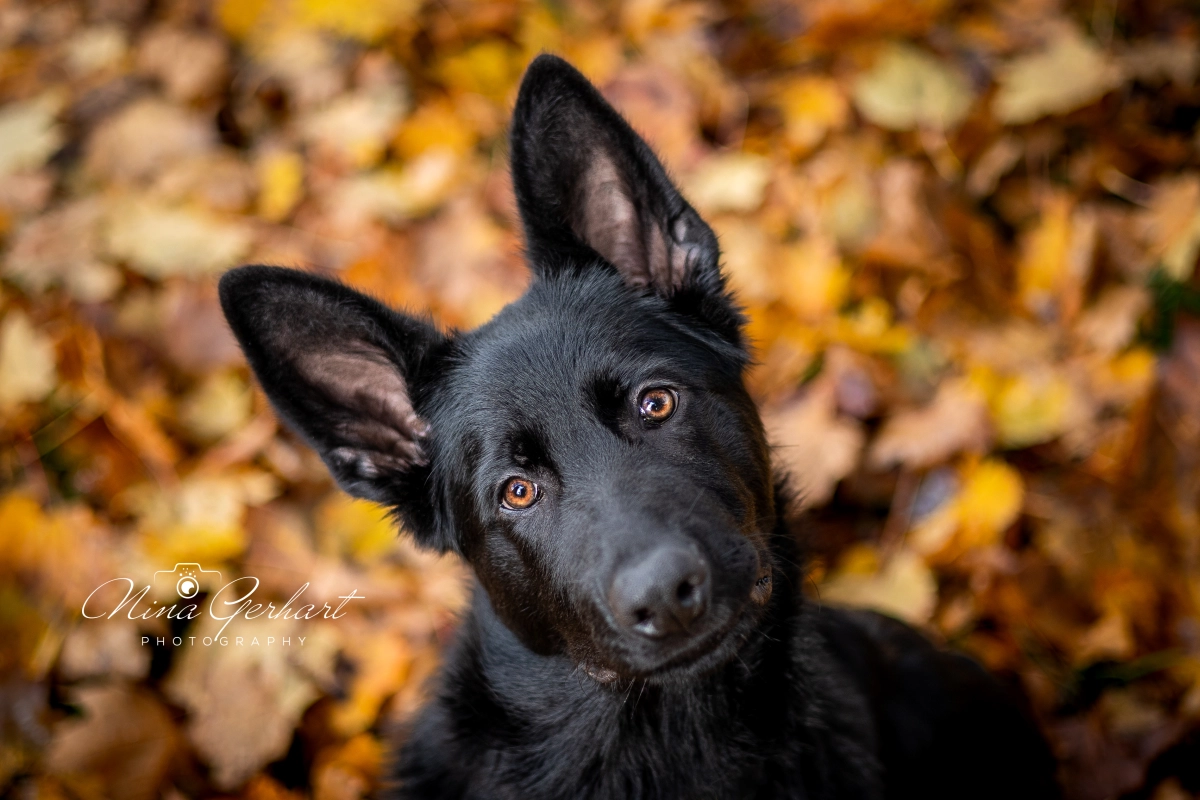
{"x":27,"y":361}
{"x":200,"y":520}
{"x":281,"y":177}
{"x":1027,"y":409}
{"x":904,"y":587}
{"x":358,"y":528}
{"x":813,"y":281}
{"x":365,"y":20}
{"x":489,"y":68}
{"x":1044,"y":254}
{"x":434,"y":125}
{"x":990,"y":502}
{"x":908,"y":88}
{"x":239,"y":17}
{"x":811,"y":106}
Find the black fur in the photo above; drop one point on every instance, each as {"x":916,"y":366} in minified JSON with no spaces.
{"x":639,"y":631}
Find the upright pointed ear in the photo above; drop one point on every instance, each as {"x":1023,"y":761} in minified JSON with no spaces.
{"x":345,"y":372}
{"x":589,"y":188}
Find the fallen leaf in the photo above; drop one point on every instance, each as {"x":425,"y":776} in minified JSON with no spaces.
{"x":223,"y":686}
{"x":813,"y":445}
{"x":28,"y":368}
{"x":142,"y":139}
{"x":902,"y":587}
{"x":281,"y":176}
{"x":812,"y":107}
{"x":1081,"y":72}
{"x":188,"y":64}
{"x":123,"y":742}
{"x":908,"y":88}
{"x":160,"y":241}
{"x":955,"y":421}
{"x":220,"y":405}
{"x":728,"y":182}
{"x":29,"y":133}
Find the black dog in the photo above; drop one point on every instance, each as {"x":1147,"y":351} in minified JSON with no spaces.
{"x":638,"y":628}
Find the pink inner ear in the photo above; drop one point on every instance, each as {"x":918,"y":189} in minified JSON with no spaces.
{"x":608,"y":220}
{"x":383,"y":429}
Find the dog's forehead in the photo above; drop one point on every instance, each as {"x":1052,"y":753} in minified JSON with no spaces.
{"x":557,"y":338}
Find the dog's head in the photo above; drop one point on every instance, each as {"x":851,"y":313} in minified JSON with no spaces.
{"x":591,"y":451}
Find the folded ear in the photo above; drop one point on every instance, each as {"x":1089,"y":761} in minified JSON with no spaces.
{"x":588,"y":188}
{"x":345,"y":372}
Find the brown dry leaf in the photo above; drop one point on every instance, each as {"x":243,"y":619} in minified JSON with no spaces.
{"x":955,"y":421}
{"x":62,"y":247}
{"x":356,"y":128}
{"x":1171,"y":225}
{"x":121,"y":746}
{"x":142,"y":139}
{"x":95,"y":648}
{"x":225,"y":686}
{"x":187,"y":64}
{"x":816,"y":446}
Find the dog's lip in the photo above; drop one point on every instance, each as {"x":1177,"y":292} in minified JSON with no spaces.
{"x":696,"y":651}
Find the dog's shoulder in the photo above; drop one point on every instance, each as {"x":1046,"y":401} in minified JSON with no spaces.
{"x":942,"y":722}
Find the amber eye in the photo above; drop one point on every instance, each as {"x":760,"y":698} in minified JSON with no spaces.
{"x":520,"y":494}
{"x":657,"y":405}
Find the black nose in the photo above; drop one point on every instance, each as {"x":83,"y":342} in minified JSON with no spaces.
{"x":662,"y":594}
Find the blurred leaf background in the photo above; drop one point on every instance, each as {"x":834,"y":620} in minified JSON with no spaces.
{"x":966,"y":234}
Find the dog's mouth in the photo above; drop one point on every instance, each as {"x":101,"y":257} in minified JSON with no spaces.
{"x":702,"y":654}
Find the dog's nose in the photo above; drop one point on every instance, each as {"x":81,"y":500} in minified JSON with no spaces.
{"x":662,"y":594}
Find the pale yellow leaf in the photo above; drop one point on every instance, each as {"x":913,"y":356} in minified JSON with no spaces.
{"x":728,"y":182}
{"x":29,"y":133}
{"x":909,"y":88}
{"x":1070,"y":73}
{"x":220,"y":405}
{"x":159,"y":241}
{"x":28,"y":371}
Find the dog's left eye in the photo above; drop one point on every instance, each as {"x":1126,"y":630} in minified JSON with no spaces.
{"x":657,"y":405}
{"x":519,"y":494}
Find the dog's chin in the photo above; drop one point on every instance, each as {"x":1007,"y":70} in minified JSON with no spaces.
{"x":687,"y":662}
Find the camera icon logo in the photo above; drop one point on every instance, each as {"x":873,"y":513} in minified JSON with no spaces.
{"x":187,"y":578}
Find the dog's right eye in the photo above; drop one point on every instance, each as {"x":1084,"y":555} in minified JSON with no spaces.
{"x":520,"y":494}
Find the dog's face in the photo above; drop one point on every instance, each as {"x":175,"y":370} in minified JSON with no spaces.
{"x":592,"y":451}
